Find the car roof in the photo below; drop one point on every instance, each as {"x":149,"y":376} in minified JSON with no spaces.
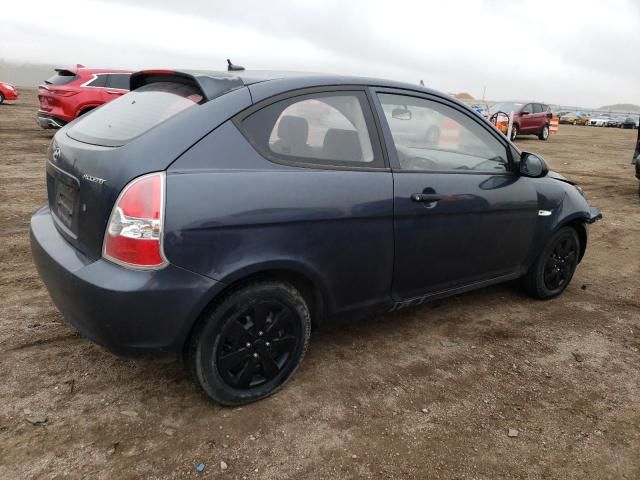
{"x":101,"y":70}
{"x":290,"y":80}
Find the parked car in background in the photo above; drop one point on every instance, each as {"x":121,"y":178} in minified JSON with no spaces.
{"x":212,"y":216}
{"x":599,"y":120}
{"x":577,"y":118}
{"x":528,"y":118}
{"x":629,"y":122}
{"x":7,"y":92}
{"x":73,"y":92}
{"x":615,"y":121}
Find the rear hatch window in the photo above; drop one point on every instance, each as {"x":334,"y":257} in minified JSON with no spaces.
{"x":62,"y":77}
{"x":131,"y":115}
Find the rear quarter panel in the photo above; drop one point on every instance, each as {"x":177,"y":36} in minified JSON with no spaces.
{"x":231,"y":213}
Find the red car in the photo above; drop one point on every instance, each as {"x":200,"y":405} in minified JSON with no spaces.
{"x":7,"y":92}
{"x":528,"y":119}
{"x":74,"y":92}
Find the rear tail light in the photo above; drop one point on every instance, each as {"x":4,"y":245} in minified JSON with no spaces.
{"x":62,"y":93}
{"x":135,"y":229}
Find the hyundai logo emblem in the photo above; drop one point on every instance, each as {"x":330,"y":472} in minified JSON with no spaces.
{"x":57,"y":155}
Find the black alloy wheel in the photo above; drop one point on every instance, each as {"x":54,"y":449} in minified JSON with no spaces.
{"x":561,"y":263}
{"x":256,"y":343}
{"x":249,"y":345}
{"x":554,"y":268}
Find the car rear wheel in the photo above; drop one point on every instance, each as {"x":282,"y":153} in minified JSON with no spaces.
{"x":249,"y":346}
{"x":1,"y":99}
{"x":544,"y":134}
{"x":514,"y":132}
{"x":554,"y":268}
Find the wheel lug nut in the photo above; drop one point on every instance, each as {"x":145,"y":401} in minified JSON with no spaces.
{"x":260,"y":334}
{"x":248,"y":344}
{"x":255,"y":355}
{"x":267,"y":344}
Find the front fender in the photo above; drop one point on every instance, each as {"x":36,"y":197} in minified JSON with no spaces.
{"x":560,"y":204}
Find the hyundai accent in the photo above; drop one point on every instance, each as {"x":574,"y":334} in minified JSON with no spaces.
{"x":218,"y":216}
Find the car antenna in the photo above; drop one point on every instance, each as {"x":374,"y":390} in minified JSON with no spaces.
{"x":233,"y":68}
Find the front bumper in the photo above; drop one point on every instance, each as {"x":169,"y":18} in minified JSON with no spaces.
{"x":594,"y":215}
{"x":11,"y":95}
{"x":130,"y":312}
{"x":46,"y":120}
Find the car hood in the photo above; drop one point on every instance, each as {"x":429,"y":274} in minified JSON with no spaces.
{"x":557,"y":176}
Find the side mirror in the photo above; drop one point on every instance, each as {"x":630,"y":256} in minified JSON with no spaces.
{"x":401,"y":113}
{"x":532,"y":165}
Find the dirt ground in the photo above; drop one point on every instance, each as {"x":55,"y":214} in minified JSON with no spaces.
{"x":382,"y":398}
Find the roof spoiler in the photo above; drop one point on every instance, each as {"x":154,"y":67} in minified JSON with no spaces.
{"x":209,"y":85}
{"x":70,"y":71}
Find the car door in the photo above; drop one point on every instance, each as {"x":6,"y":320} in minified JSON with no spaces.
{"x":540,"y":116}
{"x":117,"y":85}
{"x":461,"y":213}
{"x":527,"y":120}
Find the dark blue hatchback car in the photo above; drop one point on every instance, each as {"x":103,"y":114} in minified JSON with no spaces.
{"x":218,"y":216}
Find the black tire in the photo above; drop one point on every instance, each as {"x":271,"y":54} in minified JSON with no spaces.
{"x":514,"y":132}
{"x":554,"y":268}
{"x":544,"y":133}
{"x":1,"y":98}
{"x":233,"y":352}
{"x":83,"y":112}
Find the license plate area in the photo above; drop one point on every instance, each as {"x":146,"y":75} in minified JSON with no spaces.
{"x":65,"y":200}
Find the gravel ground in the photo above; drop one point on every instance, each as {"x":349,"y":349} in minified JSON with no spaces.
{"x":381,"y":398}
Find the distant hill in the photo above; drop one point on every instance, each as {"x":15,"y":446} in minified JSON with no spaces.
{"x":24,"y":75}
{"x":622,"y":107}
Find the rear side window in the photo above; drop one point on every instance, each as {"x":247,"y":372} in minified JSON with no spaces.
{"x":329,"y":128}
{"x":129,"y":116}
{"x":61,"y":78}
{"x":118,"y":80}
{"x":537,"y":108}
{"x":98,"y":81}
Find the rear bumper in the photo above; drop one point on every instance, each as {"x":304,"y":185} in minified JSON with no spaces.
{"x":132,"y":313}
{"x":46,"y":120}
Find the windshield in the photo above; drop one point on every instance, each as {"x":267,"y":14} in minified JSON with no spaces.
{"x":131,"y":115}
{"x":506,"y":107}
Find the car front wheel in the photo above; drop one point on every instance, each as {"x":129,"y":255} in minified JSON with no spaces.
{"x":544,"y":134}
{"x":555,"y":266}
{"x":249,"y":346}
{"x":514,"y":132}
{"x":1,"y":98}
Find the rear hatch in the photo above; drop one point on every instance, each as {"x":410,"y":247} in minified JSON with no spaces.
{"x":56,"y":87}
{"x":93,"y":158}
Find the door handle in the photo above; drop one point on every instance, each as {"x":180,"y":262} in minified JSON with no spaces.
{"x":426,"y":197}
{"x":113,"y":92}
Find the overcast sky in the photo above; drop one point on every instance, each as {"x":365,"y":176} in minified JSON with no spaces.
{"x":583,"y":52}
